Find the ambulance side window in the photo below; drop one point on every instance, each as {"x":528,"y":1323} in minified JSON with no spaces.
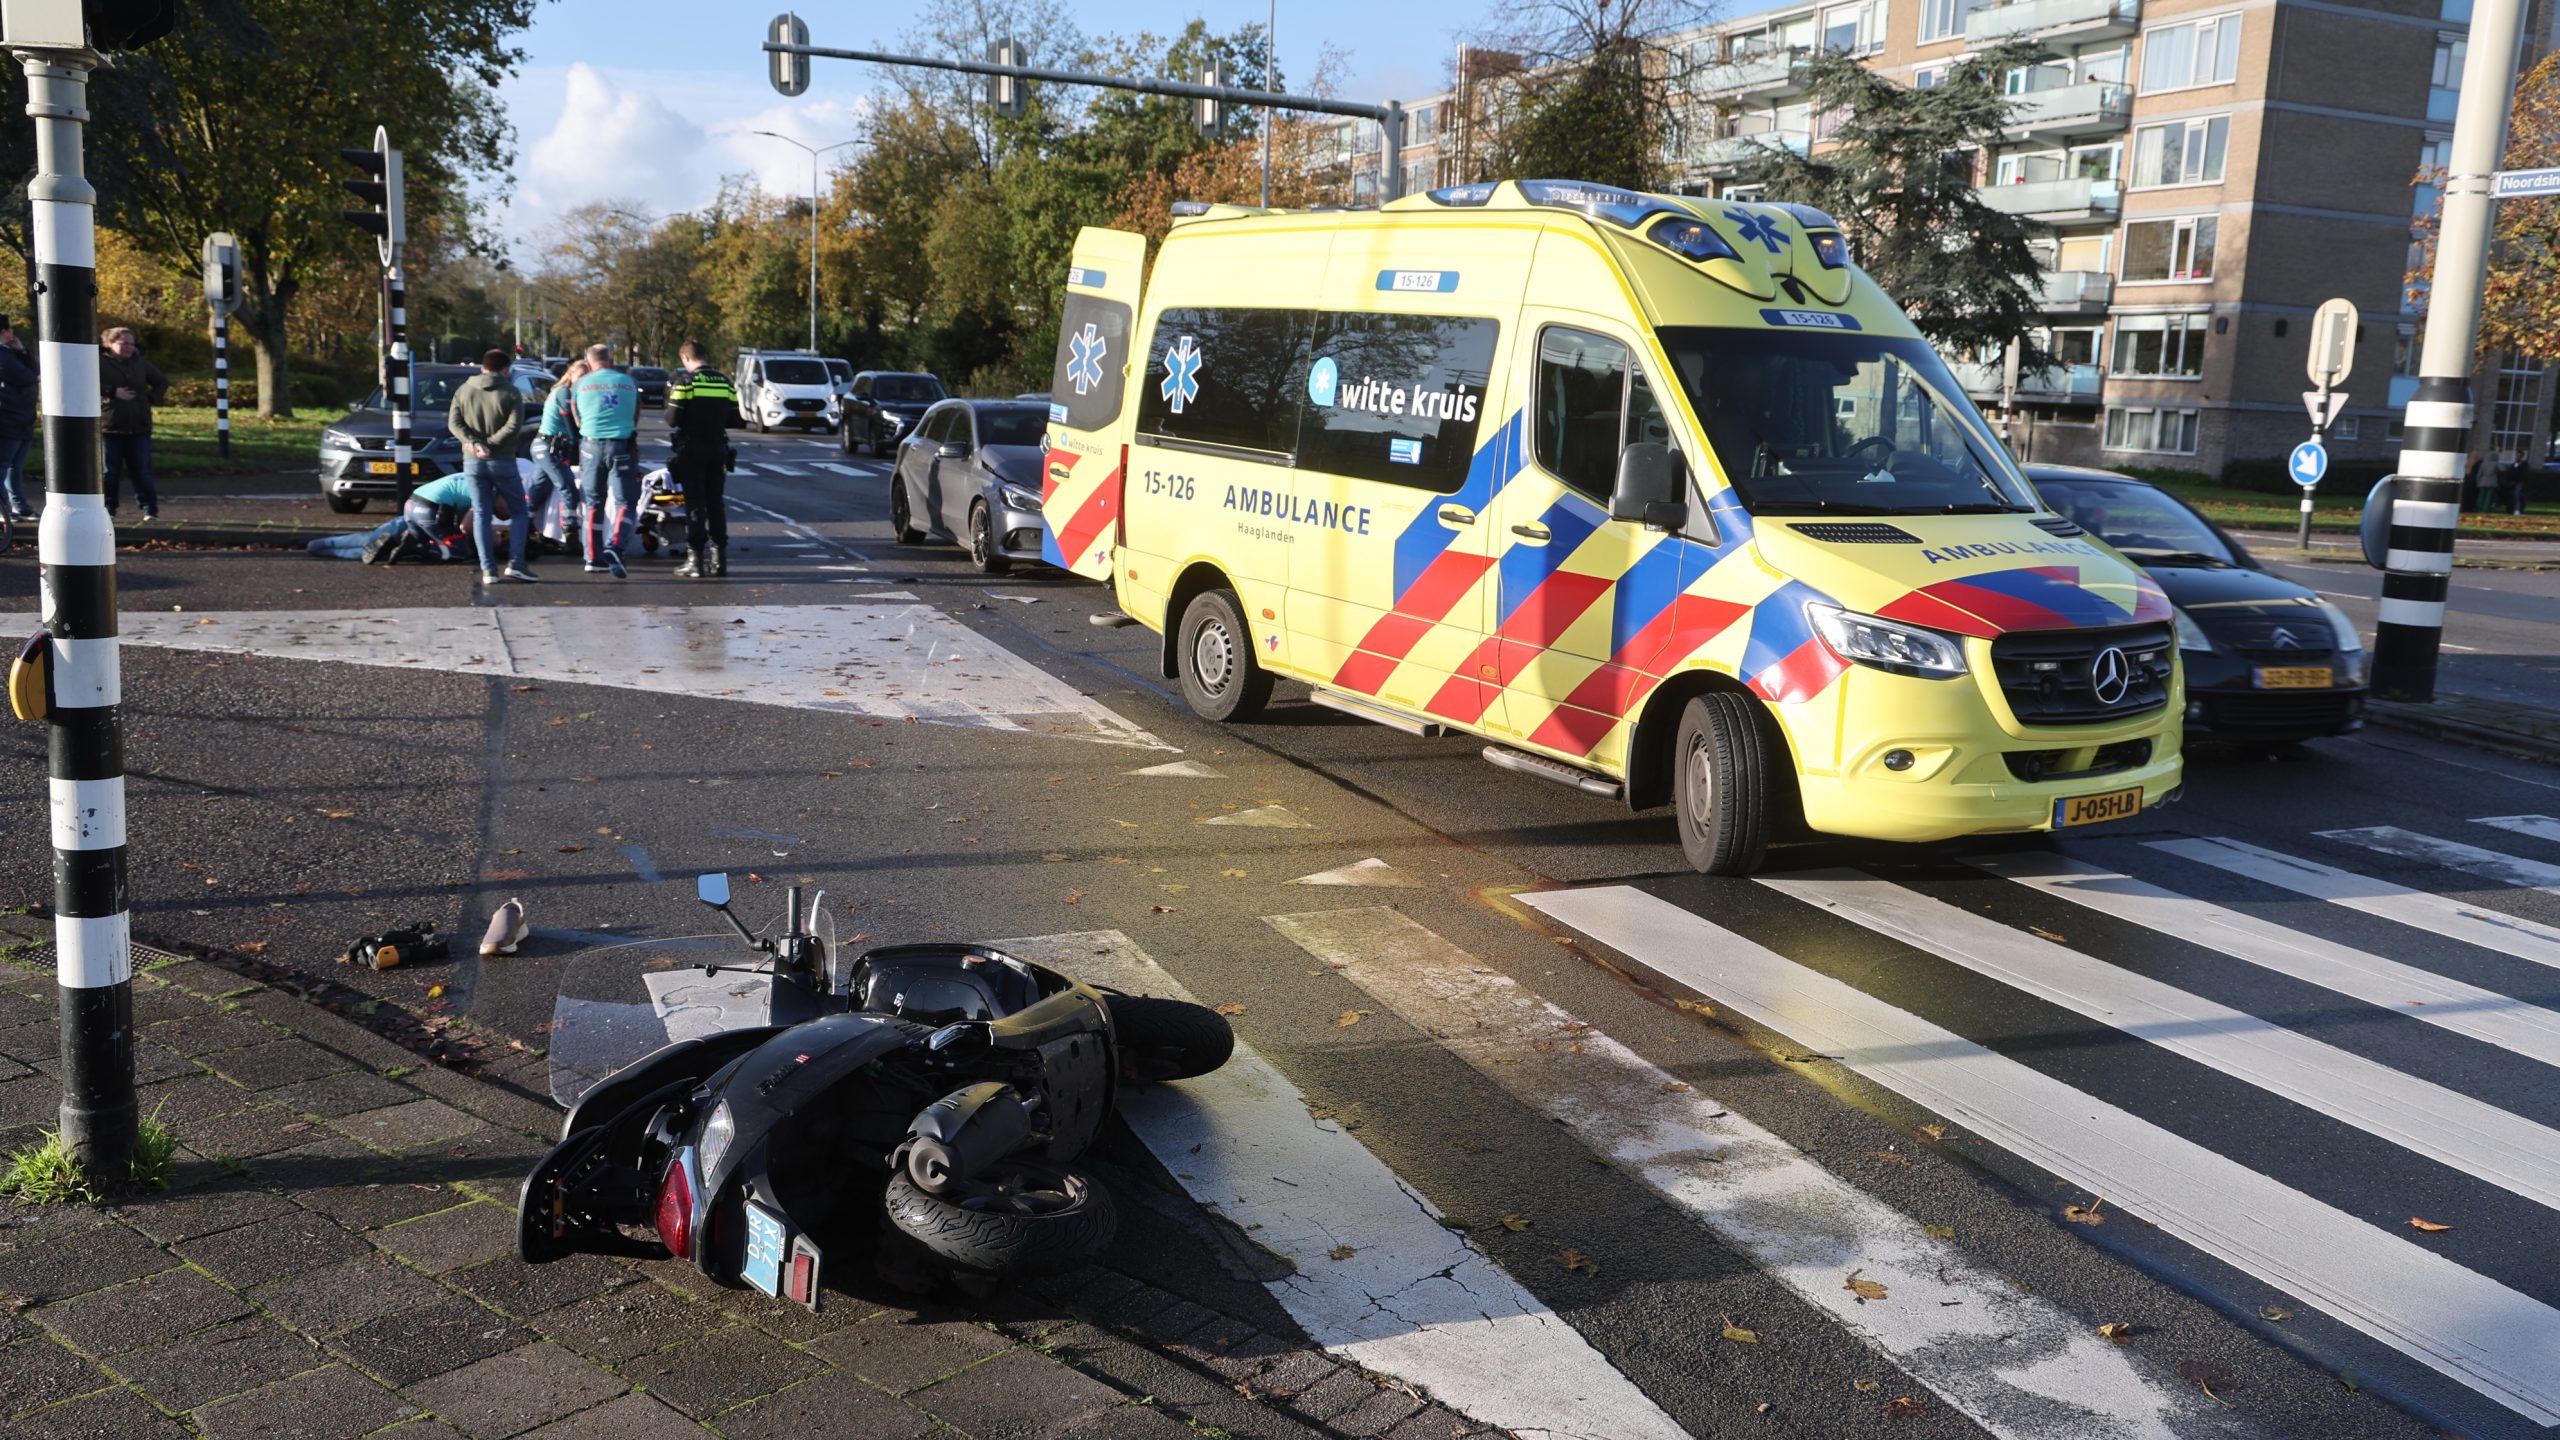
{"x":1092,"y":363}
{"x":1591,"y":403}
{"x":1230,"y":378}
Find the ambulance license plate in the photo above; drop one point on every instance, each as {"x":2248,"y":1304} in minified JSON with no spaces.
{"x":381,"y":467}
{"x":765,"y":1249}
{"x":2096,"y":809}
{"x":2293,"y":677}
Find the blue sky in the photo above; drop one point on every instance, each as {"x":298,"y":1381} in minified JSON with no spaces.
{"x":650,"y":102}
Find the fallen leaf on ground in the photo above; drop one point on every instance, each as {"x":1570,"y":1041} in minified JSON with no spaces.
{"x":1676,"y":1087}
{"x":1342,"y":1252}
{"x":434,"y":990}
{"x":2119,"y":1331}
{"x":571,"y":849}
{"x":1573,"y":1259}
{"x":754,"y":879}
{"x":1695,"y":1007}
{"x":1542,"y":1044}
{"x":1866,"y":1386}
{"x":251,"y":947}
{"x":1053,"y":857}
{"x":1161,"y":909}
{"x":1933,"y":1133}
{"x":2209,"y":1379}
{"x":1939,"y":1232}
{"x":1232,"y":874}
{"x":521,"y":689}
{"x":2277,"y":1313}
{"x":2049,"y":935}
{"x":1865,"y":1290}
{"x":1517,"y":1223}
{"x":1903,"y":1407}
{"x":339,"y":814}
{"x":1075,"y":897}
{"x":1739,"y":1335}
{"x":1350,"y":1018}
{"x":2085,"y":1214}
{"x":2429,"y":1226}
{"x":1231,"y":1008}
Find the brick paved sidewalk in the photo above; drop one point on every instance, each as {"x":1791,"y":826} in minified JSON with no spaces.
{"x":337,"y":1260}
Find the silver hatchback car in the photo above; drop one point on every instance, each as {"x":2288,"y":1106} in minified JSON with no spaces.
{"x":970,"y":472}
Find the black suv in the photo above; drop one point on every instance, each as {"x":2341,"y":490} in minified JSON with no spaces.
{"x":884,"y":405}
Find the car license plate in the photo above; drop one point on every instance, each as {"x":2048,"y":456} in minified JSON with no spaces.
{"x":382,"y":467}
{"x":2096,"y":809}
{"x":2293,"y":677}
{"x":765,"y":1249}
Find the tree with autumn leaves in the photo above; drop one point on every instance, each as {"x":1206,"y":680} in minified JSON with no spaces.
{"x":2520,"y":300}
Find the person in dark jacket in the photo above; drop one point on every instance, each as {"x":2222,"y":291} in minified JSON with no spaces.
{"x":700,"y":405}
{"x":2511,"y":483}
{"x":18,"y":385}
{"x":128,"y":387}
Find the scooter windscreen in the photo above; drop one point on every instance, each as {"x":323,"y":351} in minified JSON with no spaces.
{"x":618,"y":1004}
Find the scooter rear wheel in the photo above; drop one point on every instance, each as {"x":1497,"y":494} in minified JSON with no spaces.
{"x":1027,"y":1219}
{"x":1161,"y":1039}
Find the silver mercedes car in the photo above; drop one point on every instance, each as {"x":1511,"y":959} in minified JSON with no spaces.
{"x":969,"y":472}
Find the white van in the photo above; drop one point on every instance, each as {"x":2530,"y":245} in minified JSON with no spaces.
{"x":786,"y":387}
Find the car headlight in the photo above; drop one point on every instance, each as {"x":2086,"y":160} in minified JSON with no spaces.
{"x":1018,"y":498}
{"x":2191,"y":636}
{"x":717,"y":1133}
{"x":338,"y":440}
{"x":2342,"y":627}
{"x":1887,"y":645}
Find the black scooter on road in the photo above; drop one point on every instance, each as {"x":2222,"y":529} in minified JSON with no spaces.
{"x":946,"y":1089}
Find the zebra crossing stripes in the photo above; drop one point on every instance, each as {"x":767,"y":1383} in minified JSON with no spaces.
{"x":845,"y":469}
{"x":770,"y":468}
{"x":2540,"y":827}
{"x":1410,"y":1298}
{"x":2423,"y":995}
{"x":2418,"y":1115}
{"x":2015,"y":1364}
{"x":2464,"y":1325}
{"x":2471,"y":924}
{"x":2452,"y":855}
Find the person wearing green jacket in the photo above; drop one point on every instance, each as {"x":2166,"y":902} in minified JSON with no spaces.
{"x":487,"y":416}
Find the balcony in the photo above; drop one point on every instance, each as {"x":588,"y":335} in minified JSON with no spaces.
{"x":2070,"y":112}
{"x":2060,"y":202}
{"x":2065,"y":21}
{"x":1753,"y":77}
{"x":2075,"y":292}
{"x":2068,"y":384}
{"x":1732,"y":154}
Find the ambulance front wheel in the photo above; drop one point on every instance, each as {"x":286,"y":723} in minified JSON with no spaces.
{"x":1721,"y":784}
{"x":1221,"y":679}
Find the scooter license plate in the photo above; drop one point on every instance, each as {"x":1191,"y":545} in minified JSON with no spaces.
{"x":766,"y":1247}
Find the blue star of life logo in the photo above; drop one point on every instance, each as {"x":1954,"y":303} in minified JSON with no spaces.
{"x":1084,"y":362}
{"x":1760,"y":228}
{"x":1181,"y":374}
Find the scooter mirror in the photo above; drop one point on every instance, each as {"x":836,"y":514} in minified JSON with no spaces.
{"x":713,"y":888}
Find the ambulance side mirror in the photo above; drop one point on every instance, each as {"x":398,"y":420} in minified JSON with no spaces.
{"x":1652,"y":487}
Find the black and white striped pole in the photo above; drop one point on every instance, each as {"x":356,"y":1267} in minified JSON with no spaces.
{"x":222,"y":296}
{"x":83,"y":683}
{"x":2426,"y":495}
{"x":387,"y":221}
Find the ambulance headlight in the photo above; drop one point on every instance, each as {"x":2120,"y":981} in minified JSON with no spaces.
{"x":1887,"y":645}
{"x":2191,"y":636}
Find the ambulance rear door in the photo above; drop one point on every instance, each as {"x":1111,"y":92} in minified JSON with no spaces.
{"x":1088,"y":396}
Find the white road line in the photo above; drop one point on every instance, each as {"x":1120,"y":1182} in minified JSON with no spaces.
{"x":2420,"y":1116}
{"x":803,"y":531}
{"x":772,"y":469}
{"x":2471,"y":924}
{"x":2422,"y":995}
{"x":2452,"y":855}
{"x":1411,"y":1299}
{"x":2540,"y":827}
{"x":840,"y":469}
{"x":2014,"y":1363}
{"x":2459,"y":1323}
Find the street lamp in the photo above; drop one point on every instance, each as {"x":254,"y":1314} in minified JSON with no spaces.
{"x":814,"y":152}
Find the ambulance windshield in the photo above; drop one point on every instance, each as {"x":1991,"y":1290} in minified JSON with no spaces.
{"x":1840,"y":422}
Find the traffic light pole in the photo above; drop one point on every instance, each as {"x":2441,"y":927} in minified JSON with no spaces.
{"x":2426,"y":492}
{"x":76,"y":544}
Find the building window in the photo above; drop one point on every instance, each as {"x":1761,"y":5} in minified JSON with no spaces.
{"x":2166,"y":432}
{"x":2027,"y":167}
{"x":2191,"y":53}
{"x":2435,"y":157}
{"x":1944,"y":19}
{"x":1421,"y":125}
{"x":2444,"y":86}
{"x":2182,"y":152}
{"x":2348,"y":427}
{"x":2404,"y":351}
{"x":1856,"y":29}
{"x":1928,"y":77}
{"x":2161,"y":347}
{"x":2170,"y":249}
{"x":2517,"y":406}
{"x":2096,"y":162}
{"x":2075,"y":346}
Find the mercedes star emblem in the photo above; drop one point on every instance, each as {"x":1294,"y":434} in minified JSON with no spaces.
{"x":2110,"y":676}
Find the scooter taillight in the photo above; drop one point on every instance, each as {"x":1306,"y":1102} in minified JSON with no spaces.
{"x":675,"y":1210}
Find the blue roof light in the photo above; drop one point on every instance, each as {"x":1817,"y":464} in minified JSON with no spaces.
{"x":1695,"y":239}
{"x":1831,"y":250}
{"x":1464,"y":196}
{"x":1623,"y":208}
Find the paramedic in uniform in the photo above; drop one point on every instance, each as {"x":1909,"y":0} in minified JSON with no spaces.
{"x":700,"y":405}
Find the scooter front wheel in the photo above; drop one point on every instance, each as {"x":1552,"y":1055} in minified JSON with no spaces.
{"x":1023,"y":1219}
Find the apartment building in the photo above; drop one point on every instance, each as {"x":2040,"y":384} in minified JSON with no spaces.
{"x":2211,"y":171}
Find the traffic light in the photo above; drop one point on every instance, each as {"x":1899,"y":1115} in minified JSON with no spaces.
{"x":1211,"y":116}
{"x":128,"y":24}
{"x":379,"y":188}
{"x":104,"y":25}
{"x":789,"y":73}
{"x":1005,"y":93}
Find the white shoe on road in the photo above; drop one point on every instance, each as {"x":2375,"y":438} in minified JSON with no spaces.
{"x":507,"y":930}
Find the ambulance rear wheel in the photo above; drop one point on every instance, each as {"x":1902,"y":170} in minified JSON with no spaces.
{"x":1221,"y":680}
{"x":1721,"y":785}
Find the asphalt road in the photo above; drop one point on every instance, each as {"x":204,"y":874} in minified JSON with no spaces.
{"x":965,"y":762}
{"x":2499,"y":626}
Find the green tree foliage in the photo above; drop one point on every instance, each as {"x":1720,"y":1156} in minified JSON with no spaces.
{"x":1592,"y":94}
{"x":234,"y":123}
{"x":1898,"y":171}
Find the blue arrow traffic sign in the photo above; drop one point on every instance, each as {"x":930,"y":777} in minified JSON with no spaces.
{"x":2310,"y":461}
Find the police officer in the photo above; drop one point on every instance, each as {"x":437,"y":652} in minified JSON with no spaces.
{"x":700,"y":406}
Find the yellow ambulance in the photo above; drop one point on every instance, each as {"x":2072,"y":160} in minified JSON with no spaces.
{"x":1658,"y":495}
